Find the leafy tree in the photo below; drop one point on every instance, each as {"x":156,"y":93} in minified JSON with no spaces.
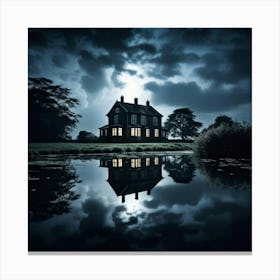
{"x":85,"y":136}
{"x":181,"y":169}
{"x":50,"y":115}
{"x":223,"y":120}
{"x":181,"y":123}
{"x":50,"y":189}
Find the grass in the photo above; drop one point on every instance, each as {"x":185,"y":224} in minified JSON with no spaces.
{"x":91,"y":148}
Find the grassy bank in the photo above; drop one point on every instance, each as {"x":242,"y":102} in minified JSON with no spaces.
{"x":91,"y":148}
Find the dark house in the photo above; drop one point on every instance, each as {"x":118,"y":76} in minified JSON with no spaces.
{"x":129,"y":122}
{"x":133,"y":175}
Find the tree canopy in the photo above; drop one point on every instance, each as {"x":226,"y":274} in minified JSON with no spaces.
{"x":86,"y":136}
{"x":50,"y":115}
{"x":181,"y":124}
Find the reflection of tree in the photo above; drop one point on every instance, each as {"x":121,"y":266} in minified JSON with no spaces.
{"x":225,"y":172}
{"x":49,"y":189}
{"x":180,"y":168}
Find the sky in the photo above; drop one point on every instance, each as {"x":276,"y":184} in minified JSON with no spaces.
{"x":205,"y":69}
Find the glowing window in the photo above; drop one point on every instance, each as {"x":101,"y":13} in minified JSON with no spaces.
{"x":156,"y":132}
{"x":147,"y":132}
{"x":115,"y":162}
{"x":114,"y":131}
{"x":135,"y":162}
{"x":148,"y":161}
{"x":135,"y":131}
{"x":120,"y":131}
{"x":156,"y":161}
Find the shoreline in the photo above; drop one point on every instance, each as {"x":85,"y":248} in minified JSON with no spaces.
{"x":103,"y":149}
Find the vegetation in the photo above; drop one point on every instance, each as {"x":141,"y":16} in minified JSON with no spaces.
{"x":181,"y":124}
{"x":85,"y":136}
{"x":219,"y":121}
{"x":50,"y":115}
{"x":226,"y":140}
{"x":88,"y":148}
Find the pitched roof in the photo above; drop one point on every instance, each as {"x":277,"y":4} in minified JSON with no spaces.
{"x":138,"y":109}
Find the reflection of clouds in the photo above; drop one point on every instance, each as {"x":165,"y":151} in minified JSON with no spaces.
{"x":191,"y":216}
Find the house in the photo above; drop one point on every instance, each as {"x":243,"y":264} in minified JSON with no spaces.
{"x":129,"y":122}
{"x":133,"y":175}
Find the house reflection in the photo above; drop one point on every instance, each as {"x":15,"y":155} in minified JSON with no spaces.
{"x":133,"y":175}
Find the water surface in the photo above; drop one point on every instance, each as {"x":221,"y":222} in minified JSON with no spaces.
{"x":147,"y":203}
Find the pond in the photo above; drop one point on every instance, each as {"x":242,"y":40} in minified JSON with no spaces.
{"x":139,"y":203}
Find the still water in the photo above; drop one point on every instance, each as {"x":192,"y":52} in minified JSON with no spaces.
{"x":133,"y":203}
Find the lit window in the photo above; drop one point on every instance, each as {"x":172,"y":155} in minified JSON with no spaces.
{"x":156,"y":161}
{"x":135,"y":131}
{"x":135,"y":162}
{"x":155,"y":120}
{"x":115,"y":162}
{"x":134,"y":119}
{"x":147,"y":132}
{"x":156,"y":132}
{"x":120,"y":131}
{"x":143,"y":120}
{"x":116,"y":119}
{"x":148,"y":161}
{"x":114,"y":131}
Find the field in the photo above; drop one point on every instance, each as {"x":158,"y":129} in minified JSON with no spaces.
{"x":96,"y":148}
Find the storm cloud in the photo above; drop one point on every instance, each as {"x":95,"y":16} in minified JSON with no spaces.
{"x":206,"y":69}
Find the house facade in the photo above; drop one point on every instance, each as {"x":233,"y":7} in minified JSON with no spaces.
{"x":133,"y":175}
{"x":132,"y":122}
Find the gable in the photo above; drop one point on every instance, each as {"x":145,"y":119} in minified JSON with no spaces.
{"x":116,"y":106}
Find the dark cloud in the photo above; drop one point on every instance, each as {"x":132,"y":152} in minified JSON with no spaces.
{"x":215,"y":98}
{"x":60,"y":60}
{"x":229,"y":67}
{"x":88,"y":60}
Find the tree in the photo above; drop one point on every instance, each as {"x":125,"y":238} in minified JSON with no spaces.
{"x":50,"y":115}
{"x":223,"y":120}
{"x":85,"y":136}
{"x":181,"y":123}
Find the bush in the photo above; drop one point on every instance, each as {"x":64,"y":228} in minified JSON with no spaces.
{"x":147,"y":149}
{"x":224,"y":141}
{"x":106,"y":150}
{"x":128,"y":150}
{"x":139,"y":149}
{"x":117,"y":150}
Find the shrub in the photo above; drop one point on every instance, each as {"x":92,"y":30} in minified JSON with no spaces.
{"x":139,"y":149}
{"x":128,"y":150}
{"x":147,"y":149}
{"x":106,"y":150}
{"x":117,"y":150}
{"x":224,"y":141}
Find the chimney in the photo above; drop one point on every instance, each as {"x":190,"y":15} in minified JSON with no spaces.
{"x":136,"y":101}
{"x":148,"y":103}
{"x":122,"y":99}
